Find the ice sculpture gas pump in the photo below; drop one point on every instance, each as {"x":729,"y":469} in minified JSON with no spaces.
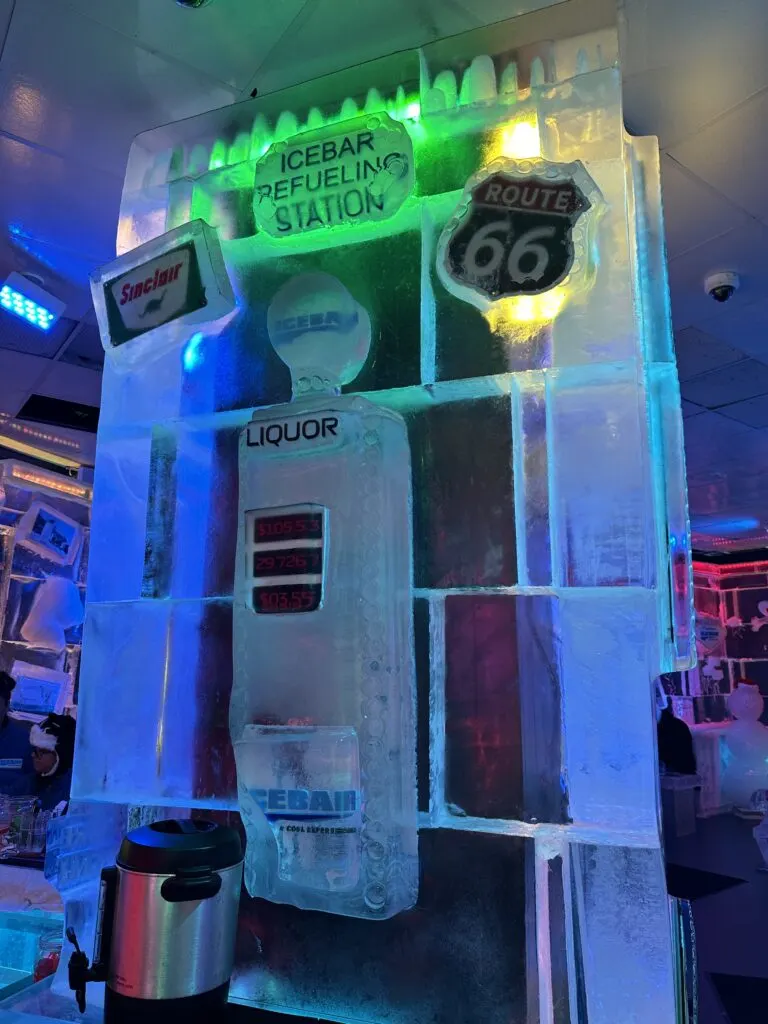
{"x":322,"y":711}
{"x":251,"y":582}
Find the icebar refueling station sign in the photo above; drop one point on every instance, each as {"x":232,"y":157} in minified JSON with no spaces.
{"x":342,"y":174}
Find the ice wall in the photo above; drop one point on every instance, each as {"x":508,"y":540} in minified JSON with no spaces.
{"x":551,"y":571}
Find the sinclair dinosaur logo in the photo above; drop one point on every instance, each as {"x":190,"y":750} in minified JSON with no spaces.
{"x":157,"y":291}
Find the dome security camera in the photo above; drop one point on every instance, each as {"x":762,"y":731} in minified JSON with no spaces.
{"x":722,"y":285}
{"x":193,"y":4}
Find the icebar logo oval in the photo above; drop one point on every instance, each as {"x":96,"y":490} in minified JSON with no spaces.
{"x":304,"y":804}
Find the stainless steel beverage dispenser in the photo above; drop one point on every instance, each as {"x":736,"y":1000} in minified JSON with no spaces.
{"x":165,"y":934}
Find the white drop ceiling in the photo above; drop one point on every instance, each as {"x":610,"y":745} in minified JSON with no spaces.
{"x":80,"y":78}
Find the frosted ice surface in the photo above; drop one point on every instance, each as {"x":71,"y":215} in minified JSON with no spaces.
{"x":119,"y":518}
{"x":607,"y":713}
{"x":601,"y":503}
{"x":622,"y":907}
{"x":153,"y":649}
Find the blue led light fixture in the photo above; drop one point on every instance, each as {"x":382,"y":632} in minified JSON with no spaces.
{"x":25,"y":299}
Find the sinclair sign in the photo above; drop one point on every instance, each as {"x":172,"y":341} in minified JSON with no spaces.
{"x":343,"y":174}
{"x":158,"y":290}
{"x":179,"y":275}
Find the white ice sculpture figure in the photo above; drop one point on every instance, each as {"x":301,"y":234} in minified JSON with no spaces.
{"x":57,"y":606}
{"x":745,"y":749}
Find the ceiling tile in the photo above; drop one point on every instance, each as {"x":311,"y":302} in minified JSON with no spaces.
{"x":691,"y":409}
{"x":22,"y":370}
{"x":693,"y":211}
{"x":85,"y":348}
{"x":744,"y":249}
{"x":713,"y":443}
{"x":71,"y":384}
{"x":698,"y":352}
{"x":72,"y":208}
{"x":329,"y":35}
{"x":742,"y":325}
{"x":688,"y":62}
{"x":226,"y":41}
{"x":658,"y":34}
{"x":19,"y":336}
{"x":59,"y":87}
{"x":6,"y":10}
{"x":728,"y":384}
{"x":673,"y":103}
{"x":732,"y":154}
{"x":752,"y":411}
{"x":724,"y":459}
{"x":318,"y":47}
{"x":11,"y":400}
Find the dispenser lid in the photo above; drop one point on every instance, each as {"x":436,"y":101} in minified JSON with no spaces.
{"x":180,"y":844}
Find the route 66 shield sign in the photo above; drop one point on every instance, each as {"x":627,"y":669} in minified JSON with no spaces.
{"x":514,"y":231}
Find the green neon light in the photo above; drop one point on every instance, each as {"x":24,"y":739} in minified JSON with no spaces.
{"x":218,"y":155}
{"x":402,"y":108}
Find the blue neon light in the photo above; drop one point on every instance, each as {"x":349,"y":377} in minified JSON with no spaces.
{"x":26,"y":309}
{"x":712,"y":527}
{"x":193,"y":353}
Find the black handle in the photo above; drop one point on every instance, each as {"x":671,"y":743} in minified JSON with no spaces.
{"x":105,"y":920}
{"x":78,"y":970}
{"x":188,"y":888}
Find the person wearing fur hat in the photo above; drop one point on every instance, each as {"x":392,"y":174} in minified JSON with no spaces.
{"x":16,"y":774}
{"x":53,"y":750}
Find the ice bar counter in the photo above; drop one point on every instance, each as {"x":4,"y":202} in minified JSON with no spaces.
{"x":414,"y":652}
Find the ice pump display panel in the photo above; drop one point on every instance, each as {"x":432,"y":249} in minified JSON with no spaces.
{"x":284,"y":559}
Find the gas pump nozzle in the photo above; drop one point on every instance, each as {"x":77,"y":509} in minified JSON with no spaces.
{"x":80,"y":971}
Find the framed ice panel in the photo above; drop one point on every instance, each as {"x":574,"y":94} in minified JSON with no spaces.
{"x":39,"y":691}
{"x":50,"y":534}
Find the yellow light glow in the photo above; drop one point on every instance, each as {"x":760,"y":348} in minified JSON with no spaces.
{"x":524,"y":315}
{"x":521,"y":316}
{"x":39,"y":453}
{"x":517,"y":141}
{"x":62,"y":486}
{"x":160,"y":736}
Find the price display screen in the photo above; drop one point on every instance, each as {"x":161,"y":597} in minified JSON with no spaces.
{"x":290,"y":526}
{"x":287,"y":562}
{"x":285,"y":559}
{"x":287,"y":597}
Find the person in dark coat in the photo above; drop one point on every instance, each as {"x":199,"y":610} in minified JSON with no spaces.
{"x":675,"y":744}
{"x":16,"y":772}
{"x":53,"y":750}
